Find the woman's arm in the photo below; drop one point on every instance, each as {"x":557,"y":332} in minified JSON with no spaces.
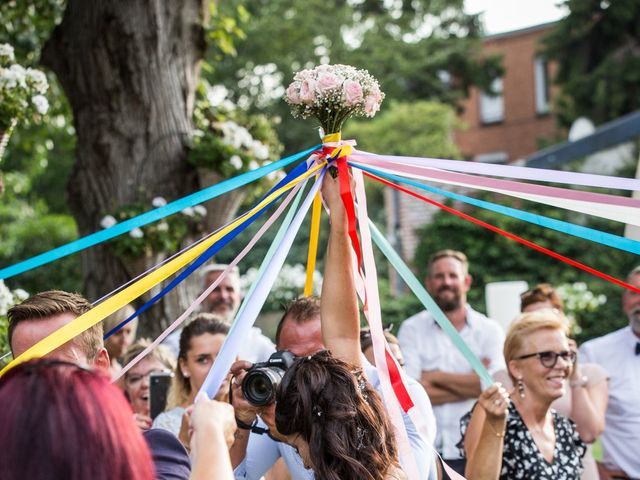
{"x":213,"y":425}
{"x":484,"y":438}
{"x":339,"y":304}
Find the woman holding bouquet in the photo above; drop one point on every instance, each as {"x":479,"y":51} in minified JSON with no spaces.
{"x":325,"y":407}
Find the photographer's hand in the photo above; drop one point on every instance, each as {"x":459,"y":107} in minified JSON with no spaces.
{"x":268,"y":415}
{"x":244,"y":412}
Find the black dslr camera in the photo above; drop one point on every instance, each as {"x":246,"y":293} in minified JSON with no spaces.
{"x":261,"y":382}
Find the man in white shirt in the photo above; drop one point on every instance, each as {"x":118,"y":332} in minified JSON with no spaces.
{"x":433,"y":360}
{"x":619,"y":354}
{"x":224,"y":300}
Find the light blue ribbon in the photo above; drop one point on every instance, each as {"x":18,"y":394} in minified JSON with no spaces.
{"x":151,"y":216}
{"x":579,"y":231}
{"x":431,"y":306}
{"x":255,"y":298}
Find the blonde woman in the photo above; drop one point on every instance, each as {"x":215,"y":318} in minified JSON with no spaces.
{"x":585,"y":398}
{"x":136,"y":380}
{"x":522,"y":436}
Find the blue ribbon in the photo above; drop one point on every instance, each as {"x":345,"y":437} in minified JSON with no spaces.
{"x":211,"y":251}
{"x":150,"y":216}
{"x":579,"y":231}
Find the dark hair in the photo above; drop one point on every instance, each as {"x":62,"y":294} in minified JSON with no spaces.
{"x":339,"y":415}
{"x":56,"y":302}
{"x":60,"y":420}
{"x":543,"y":292}
{"x":366,"y":341}
{"x":300,"y":310}
{"x":202,"y":323}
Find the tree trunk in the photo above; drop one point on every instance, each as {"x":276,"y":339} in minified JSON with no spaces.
{"x":129,"y":69}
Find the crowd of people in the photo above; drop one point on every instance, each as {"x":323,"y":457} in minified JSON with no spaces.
{"x":324,"y":417}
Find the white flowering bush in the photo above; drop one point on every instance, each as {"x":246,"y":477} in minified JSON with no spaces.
{"x":578,"y":300}
{"x":8,"y":298}
{"x":162,"y":236}
{"x":22,"y":90}
{"x":288,"y":286}
{"x":229,"y":140}
{"x":332,"y":94}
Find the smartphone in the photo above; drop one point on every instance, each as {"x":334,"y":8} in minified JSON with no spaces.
{"x":159,"y":387}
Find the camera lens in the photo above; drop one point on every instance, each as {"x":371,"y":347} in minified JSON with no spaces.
{"x":259,"y":386}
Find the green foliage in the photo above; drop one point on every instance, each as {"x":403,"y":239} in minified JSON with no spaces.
{"x":420,"y":129}
{"x":597,"y":47}
{"x":495,"y":258}
{"x":27,"y":230}
{"x":229,"y":140}
{"x":411,"y":48}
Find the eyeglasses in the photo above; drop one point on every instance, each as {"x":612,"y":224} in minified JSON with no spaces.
{"x":549,"y":359}
{"x":135,"y":380}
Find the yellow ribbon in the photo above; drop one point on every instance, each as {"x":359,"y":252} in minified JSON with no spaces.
{"x":313,"y":244}
{"x":339,"y":150}
{"x":122,"y":298}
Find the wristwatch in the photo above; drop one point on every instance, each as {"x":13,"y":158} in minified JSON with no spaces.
{"x":581,"y":382}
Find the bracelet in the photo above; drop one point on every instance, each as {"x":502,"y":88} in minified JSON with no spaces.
{"x":254,"y":428}
{"x":497,"y":434}
{"x":582,"y":382}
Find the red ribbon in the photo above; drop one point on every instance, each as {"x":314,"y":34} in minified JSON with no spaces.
{"x":512,"y":236}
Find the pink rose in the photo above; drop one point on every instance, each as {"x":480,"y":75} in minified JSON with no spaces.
{"x":371,"y":105}
{"x":376,"y":93}
{"x":293,"y":94}
{"x":307,"y":92}
{"x":352,"y":93}
{"x":327,"y":82}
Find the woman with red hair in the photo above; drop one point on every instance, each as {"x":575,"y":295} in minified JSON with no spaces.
{"x":62,"y":421}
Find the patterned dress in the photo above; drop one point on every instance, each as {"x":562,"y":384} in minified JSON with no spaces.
{"x":521,"y":458}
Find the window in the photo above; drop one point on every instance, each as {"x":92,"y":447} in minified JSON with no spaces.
{"x":541,"y":73}
{"x":492,"y":103}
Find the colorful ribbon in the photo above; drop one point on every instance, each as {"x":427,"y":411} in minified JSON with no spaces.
{"x":210,"y":252}
{"x":579,"y":231}
{"x":120,"y":299}
{"x":512,"y":236}
{"x":510,"y":171}
{"x":314,"y":234}
{"x":213,"y":286}
{"x":612,"y":207}
{"x":254,"y":301}
{"x":150,"y":216}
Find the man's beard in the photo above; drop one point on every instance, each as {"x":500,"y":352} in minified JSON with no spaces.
{"x":634,"y":320}
{"x":220,"y":307}
{"x":448,"y":304}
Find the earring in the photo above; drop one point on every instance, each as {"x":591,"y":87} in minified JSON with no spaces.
{"x":520,"y":388}
{"x":185,"y":374}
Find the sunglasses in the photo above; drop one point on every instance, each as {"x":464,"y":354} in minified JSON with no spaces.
{"x":549,"y":359}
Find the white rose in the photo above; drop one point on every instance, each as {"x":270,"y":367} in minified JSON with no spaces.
{"x":108,"y":221}
{"x":236,"y":162}
{"x":158,"y":202}
{"x":41,"y":104}
{"x":163,"y":227}
{"x":20,"y":294}
{"x":200,"y":210}
{"x":253,"y":165}
{"x":136,"y":233}
{"x":6,"y":53}
{"x":188,"y":212}
{"x":20,"y":74}
{"x":38,"y":80}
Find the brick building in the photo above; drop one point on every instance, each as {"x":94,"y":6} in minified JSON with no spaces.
{"x":509,"y":126}
{"x":499,"y":128}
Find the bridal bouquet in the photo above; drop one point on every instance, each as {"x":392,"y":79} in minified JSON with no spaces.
{"x":333,"y":93}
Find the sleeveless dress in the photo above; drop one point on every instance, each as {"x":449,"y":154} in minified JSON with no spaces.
{"x":521,"y":458}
